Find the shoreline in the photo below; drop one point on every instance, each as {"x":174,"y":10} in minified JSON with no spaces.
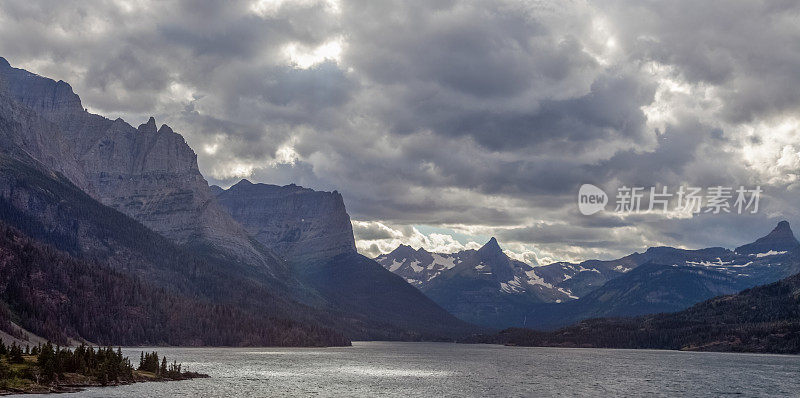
{"x":72,"y":386}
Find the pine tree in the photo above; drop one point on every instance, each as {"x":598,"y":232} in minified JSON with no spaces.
{"x":15,"y":354}
{"x":163,"y":371}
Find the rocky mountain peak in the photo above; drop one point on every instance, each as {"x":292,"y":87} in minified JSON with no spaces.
{"x":781,"y":238}
{"x":491,"y":247}
{"x":403,"y":251}
{"x":165,"y":129}
{"x":149,"y":127}
{"x":782,"y":229}
{"x":45,"y":96}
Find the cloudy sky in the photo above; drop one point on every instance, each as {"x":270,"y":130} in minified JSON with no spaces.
{"x":444,"y":123}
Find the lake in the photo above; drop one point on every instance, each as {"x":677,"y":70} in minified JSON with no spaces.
{"x":442,"y":369}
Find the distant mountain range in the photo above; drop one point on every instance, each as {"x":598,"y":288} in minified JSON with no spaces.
{"x":761,"y":319}
{"x":133,"y":200}
{"x":495,"y":291}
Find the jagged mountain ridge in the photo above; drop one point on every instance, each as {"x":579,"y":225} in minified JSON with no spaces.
{"x":147,"y":173}
{"x":672,"y":280}
{"x":481,"y":286}
{"x":423,"y":269}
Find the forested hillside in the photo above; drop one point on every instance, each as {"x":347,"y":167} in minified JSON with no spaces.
{"x":59,"y":297}
{"x":761,"y":319}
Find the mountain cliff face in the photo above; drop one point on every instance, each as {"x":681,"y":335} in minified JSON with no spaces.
{"x":298,"y":223}
{"x":148,"y":173}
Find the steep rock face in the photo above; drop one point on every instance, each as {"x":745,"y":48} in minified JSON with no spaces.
{"x":147,"y":173}
{"x":297,"y":223}
{"x":24,"y":131}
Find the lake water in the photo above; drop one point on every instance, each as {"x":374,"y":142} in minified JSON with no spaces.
{"x":406,"y":370}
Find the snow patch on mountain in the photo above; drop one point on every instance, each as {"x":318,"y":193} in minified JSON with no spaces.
{"x":769,"y":253}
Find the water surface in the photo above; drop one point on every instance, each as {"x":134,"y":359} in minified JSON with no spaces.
{"x":441,"y":369}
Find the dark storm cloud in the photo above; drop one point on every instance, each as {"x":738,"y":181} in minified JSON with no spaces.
{"x":484,"y":115}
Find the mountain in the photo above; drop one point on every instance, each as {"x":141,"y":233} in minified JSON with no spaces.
{"x":674,"y":279}
{"x":313,"y":231}
{"x":63,"y":299}
{"x":49,"y":209}
{"x":72,"y":179}
{"x":661,"y":279}
{"x":780,"y":240}
{"x":424,"y":269}
{"x":297,"y":223}
{"x":761,"y":319}
{"x":556,"y":282}
{"x":40,"y":199}
{"x":148,"y":173}
{"x":482,"y":286}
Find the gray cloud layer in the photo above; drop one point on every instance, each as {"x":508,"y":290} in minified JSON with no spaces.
{"x":481,"y":116}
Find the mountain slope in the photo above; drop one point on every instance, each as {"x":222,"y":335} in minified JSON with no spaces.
{"x":151,"y":175}
{"x":50,"y":209}
{"x":314,"y":231}
{"x":61,"y":298}
{"x":761,"y":319}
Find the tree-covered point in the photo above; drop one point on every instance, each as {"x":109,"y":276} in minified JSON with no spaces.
{"x":46,"y":368}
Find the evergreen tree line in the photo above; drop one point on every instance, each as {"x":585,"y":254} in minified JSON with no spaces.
{"x":148,"y":362}
{"x":103,"y":365}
